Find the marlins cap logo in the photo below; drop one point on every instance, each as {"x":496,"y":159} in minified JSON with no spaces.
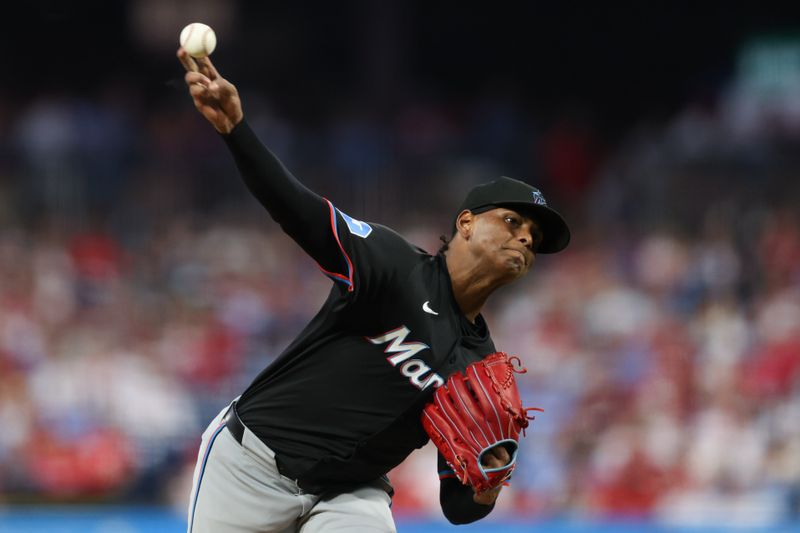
{"x":538,"y":199}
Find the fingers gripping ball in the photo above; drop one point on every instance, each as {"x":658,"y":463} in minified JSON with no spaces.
{"x":198,"y":39}
{"x":475,"y":412}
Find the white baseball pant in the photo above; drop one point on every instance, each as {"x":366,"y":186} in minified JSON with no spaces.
{"x":237,"y":488}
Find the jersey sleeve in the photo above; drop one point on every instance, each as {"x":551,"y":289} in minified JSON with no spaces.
{"x":301,"y":213}
{"x":353,"y":253}
{"x":456,"y":499}
{"x":372,"y":255}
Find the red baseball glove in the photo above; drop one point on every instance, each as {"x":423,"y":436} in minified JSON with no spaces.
{"x":473,"y":413}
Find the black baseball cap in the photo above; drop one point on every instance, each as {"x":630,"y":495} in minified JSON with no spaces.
{"x":518,"y":195}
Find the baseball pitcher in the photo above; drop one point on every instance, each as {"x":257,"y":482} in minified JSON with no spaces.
{"x":398,"y":354}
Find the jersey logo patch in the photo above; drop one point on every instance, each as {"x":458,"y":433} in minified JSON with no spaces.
{"x":356,"y":227}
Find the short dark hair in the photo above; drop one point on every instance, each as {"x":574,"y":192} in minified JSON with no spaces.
{"x":445,"y":242}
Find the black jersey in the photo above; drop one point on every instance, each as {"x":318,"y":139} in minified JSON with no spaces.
{"x":341,"y":405}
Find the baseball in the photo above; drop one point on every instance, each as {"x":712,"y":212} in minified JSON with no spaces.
{"x":198,"y":39}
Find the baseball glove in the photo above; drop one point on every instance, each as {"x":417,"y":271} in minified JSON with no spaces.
{"x":473,"y":413}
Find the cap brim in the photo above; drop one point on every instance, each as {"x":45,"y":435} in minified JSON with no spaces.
{"x":555,"y":229}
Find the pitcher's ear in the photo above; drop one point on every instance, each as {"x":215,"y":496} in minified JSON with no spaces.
{"x":464,"y":223}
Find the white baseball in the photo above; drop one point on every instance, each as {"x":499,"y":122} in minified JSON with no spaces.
{"x":198,"y":39}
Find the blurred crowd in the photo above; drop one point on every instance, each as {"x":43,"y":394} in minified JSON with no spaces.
{"x":141,"y":289}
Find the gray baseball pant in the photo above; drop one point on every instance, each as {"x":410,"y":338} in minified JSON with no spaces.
{"x":237,"y":488}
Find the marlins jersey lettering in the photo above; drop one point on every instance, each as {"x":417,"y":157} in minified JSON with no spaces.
{"x":341,"y":405}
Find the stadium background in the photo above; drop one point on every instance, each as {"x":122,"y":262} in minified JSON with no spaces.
{"x":141,"y":287}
